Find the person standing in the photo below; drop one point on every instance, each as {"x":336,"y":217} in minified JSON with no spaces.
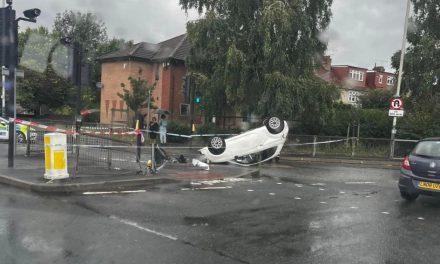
{"x":154,"y":129}
{"x":163,"y":129}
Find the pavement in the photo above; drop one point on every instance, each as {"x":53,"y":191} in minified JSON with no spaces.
{"x":28,"y":173}
{"x":357,"y":162}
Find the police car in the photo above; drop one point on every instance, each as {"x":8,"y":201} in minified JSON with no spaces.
{"x":251,"y":147}
{"x":20,"y":130}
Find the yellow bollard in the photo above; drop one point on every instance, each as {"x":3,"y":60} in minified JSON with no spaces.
{"x":55,"y":155}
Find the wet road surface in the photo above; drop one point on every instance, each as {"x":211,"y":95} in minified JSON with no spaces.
{"x":289,"y":214}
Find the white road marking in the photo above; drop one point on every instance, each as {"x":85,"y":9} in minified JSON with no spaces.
{"x":322,"y":202}
{"x":321,"y":189}
{"x":271,"y":193}
{"x":361,"y":182}
{"x":113,"y":192}
{"x":134,"y":224}
{"x":250,"y":190}
{"x":341,"y":192}
{"x":318,"y":184}
{"x":421,"y":218}
{"x":279,"y":183}
{"x":354,"y":207}
{"x":297,"y":198}
{"x":386,"y":213}
{"x":368,"y":196}
{"x":299,"y":185}
{"x":207,"y":188}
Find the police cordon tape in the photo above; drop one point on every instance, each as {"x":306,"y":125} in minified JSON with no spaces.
{"x":134,"y":132}
{"x":139,"y":132}
{"x":320,"y":142}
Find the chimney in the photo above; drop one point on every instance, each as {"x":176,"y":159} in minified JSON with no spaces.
{"x":327,"y":63}
{"x":379,"y":68}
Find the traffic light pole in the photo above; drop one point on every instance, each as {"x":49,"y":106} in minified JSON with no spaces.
{"x":10,"y":112}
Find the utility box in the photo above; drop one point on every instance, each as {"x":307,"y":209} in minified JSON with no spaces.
{"x":55,"y":155}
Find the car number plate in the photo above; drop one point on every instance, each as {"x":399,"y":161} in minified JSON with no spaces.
{"x":429,"y":185}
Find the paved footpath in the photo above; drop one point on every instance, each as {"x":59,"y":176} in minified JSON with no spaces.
{"x":28,"y":174}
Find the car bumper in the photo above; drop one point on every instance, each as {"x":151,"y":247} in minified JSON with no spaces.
{"x":408,"y":183}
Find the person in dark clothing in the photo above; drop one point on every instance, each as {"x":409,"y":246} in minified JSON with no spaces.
{"x":154,"y":128}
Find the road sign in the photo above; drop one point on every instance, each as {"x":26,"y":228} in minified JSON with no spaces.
{"x":397,"y":113}
{"x":396,"y":104}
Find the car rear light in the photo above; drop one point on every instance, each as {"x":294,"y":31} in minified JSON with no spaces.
{"x":405,"y":163}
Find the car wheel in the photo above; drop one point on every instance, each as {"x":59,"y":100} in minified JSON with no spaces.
{"x":409,"y":196}
{"x":274,"y":124}
{"x":20,"y":138}
{"x":216,"y":145}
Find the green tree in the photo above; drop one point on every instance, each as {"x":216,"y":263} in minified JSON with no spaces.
{"x":46,"y":88}
{"x":422,"y":59}
{"x":84,"y":28}
{"x":379,"y":99}
{"x":91,"y":32}
{"x":137,"y":96}
{"x":421,"y":72}
{"x":88,"y":30}
{"x":256,"y":56}
{"x":43,"y":60}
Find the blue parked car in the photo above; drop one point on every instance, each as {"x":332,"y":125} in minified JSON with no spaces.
{"x":420,"y":170}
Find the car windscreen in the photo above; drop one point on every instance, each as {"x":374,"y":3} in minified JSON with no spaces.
{"x":427,"y":148}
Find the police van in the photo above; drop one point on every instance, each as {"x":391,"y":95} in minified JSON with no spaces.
{"x":20,"y":130}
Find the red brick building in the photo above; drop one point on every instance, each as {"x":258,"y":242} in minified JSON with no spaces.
{"x":354,"y":81}
{"x":163,"y":63}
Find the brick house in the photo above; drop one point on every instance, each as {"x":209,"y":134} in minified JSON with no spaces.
{"x":354,"y":81}
{"x":163,"y":63}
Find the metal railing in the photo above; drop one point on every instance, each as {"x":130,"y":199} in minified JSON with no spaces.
{"x":312,"y":145}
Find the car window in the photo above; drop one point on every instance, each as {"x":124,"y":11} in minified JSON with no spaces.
{"x":427,"y":148}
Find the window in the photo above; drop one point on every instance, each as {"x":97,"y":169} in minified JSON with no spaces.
{"x":157,"y":72}
{"x":184,"y":109}
{"x":380,"y":78}
{"x":390,"y":80}
{"x":353,"y":97}
{"x":356,"y":75}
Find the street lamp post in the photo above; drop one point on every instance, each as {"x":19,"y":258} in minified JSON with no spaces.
{"x":399,"y":78}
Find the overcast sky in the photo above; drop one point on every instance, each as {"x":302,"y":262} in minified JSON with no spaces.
{"x":362,"y":32}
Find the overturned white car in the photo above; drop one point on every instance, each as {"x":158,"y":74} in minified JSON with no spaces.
{"x":251,"y":147}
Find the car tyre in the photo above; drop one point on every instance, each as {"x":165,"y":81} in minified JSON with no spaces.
{"x":216,"y":145}
{"x":20,"y":138}
{"x":409,"y":196}
{"x":274,"y":124}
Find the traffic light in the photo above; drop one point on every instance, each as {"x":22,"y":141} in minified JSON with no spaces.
{"x":198,"y":97}
{"x":8,"y":37}
{"x":186,"y":87}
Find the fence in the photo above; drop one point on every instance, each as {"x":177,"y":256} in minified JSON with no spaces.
{"x":103,"y":149}
{"x":310,"y":145}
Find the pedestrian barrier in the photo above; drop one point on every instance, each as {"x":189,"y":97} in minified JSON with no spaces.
{"x":55,"y":145}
